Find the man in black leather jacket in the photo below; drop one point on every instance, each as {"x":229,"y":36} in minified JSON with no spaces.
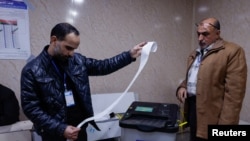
{"x":55,"y":90}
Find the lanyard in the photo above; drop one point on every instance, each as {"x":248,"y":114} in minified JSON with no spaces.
{"x":59,"y":73}
{"x":200,"y":56}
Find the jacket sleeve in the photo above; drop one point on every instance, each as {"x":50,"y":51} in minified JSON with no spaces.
{"x":235,"y":85}
{"x":31,"y":106}
{"x":110,"y":65}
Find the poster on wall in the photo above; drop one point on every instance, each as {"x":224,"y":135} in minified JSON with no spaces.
{"x":14,"y":30}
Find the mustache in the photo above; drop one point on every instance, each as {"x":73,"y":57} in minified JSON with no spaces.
{"x":201,"y":43}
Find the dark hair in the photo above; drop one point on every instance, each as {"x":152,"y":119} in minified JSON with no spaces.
{"x":217,"y":24}
{"x":62,"y":29}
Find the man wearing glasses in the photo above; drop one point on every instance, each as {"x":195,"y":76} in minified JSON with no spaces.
{"x":215,"y":83}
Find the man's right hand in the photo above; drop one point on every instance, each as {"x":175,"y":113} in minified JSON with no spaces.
{"x":182,"y":94}
{"x":71,"y":132}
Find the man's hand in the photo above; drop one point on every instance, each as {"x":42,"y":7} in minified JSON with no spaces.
{"x":136,"y":50}
{"x":71,"y":132}
{"x":182,"y":94}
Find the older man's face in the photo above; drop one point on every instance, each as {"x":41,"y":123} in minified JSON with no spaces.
{"x":207,"y":34}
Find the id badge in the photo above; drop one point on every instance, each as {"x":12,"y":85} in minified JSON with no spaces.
{"x":69,"y":98}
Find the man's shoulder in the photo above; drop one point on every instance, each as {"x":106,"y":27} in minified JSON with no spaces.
{"x":78,"y":58}
{"x":35,"y":64}
{"x":230,"y":44}
{"x":232,"y":48}
{"x":32,"y":64}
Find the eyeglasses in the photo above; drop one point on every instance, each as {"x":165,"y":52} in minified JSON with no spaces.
{"x":206,"y":24}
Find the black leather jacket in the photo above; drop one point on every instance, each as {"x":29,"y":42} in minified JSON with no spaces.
{"x":42,"y":92}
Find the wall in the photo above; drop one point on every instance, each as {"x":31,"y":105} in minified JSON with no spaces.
{"x":109,"y":27}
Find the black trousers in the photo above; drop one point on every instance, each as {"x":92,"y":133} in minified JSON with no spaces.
{"x":193,"y":119}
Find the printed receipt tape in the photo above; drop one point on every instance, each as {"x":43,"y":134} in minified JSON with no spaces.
{"x":149,"y":47}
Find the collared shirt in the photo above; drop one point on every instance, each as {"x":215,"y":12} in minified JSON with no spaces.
{"x":194,"y":69}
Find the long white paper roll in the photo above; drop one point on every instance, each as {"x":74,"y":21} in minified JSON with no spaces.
{"x":149,"y":47}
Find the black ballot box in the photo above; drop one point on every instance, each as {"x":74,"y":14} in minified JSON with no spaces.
{"x":150,"y":121}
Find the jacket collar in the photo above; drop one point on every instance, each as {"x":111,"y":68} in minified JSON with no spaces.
{"x":217,"y":45}
{"x":45,"y":55}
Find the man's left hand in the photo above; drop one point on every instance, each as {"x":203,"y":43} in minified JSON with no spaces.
{"x":136,"y":50}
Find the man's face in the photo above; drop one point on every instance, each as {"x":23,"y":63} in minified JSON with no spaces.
{"x":207,"y":34}
{"x":63,"y":50}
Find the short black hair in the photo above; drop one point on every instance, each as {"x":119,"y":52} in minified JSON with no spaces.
{"x":62,"y":29}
